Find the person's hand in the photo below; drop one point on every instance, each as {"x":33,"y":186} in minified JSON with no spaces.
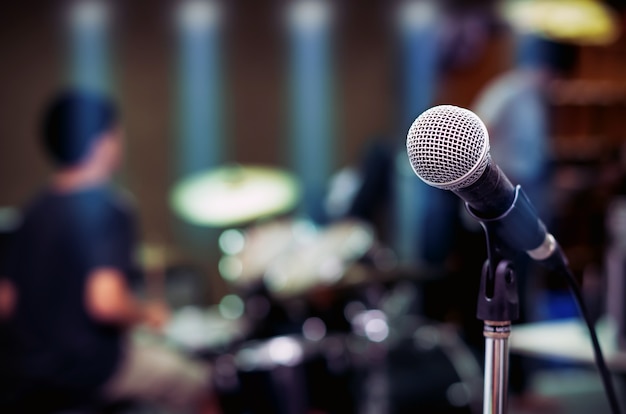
{"x":156,"y":314}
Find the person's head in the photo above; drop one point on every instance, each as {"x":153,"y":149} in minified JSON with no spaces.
{"x":82,"y":127}
{"x":534,"y":51}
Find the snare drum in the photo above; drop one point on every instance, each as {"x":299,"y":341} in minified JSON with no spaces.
{"x":204,"y":331}
{"x":286,"y":375}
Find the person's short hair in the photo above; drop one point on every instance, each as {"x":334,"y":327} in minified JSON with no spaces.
{"x":536,"y":51}
{"x":73,"y":121}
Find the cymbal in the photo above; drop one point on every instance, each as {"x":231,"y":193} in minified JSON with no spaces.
{"x":581,"y":22}
{"x":234,"y":194}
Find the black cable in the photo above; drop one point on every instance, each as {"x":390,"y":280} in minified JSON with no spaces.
{"x":600,"y":362}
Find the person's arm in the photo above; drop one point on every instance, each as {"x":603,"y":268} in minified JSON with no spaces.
{"x":8,"y":297}
{"x":109,"y":300}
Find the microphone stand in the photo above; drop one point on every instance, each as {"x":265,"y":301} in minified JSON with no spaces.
{"x":498,"y":305}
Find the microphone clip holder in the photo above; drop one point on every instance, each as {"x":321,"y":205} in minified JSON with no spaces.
{"x":498,"y":298}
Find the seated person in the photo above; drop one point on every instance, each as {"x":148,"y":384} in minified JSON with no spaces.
{"x":65,"y":298}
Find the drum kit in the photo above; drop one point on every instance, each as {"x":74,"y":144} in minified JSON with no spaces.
{"x":260,"y":245}
{"x":312,"y":324}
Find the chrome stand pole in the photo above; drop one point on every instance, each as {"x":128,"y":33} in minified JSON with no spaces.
{"x":496,"y":366}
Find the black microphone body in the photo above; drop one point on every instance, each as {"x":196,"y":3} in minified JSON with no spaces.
{"x":491,"y":195}
{"x":504,"y":209}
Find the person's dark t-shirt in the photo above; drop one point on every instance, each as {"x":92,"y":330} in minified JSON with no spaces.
{"x":54,"y":342}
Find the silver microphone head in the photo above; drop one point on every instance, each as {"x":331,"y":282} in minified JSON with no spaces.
{"x":448,"y":147}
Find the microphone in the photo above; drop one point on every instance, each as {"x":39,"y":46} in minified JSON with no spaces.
{"x":448,"y":148}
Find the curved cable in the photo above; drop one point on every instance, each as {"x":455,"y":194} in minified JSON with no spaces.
{"x":605,"y":374}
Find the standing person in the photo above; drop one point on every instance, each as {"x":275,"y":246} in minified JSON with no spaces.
{"x":515,"y":108}
{"x":65,"y":297}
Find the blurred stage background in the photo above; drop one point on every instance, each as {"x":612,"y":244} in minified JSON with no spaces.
{"x":264,"y":89}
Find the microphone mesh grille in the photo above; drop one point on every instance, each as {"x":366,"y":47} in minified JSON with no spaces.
{"x":448,"y":147}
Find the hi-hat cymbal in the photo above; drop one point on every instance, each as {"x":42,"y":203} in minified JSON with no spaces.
{"x":582,"y":22}
{"x":234,"y":195}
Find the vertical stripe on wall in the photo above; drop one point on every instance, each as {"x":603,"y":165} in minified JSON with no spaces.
{"x":311,"y":101}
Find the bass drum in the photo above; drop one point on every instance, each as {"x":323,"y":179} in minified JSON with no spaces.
{"x":417,"y":367}
{"x":433,"y":371}
{"x":429,"y":371}
{"x":287,"y":375}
